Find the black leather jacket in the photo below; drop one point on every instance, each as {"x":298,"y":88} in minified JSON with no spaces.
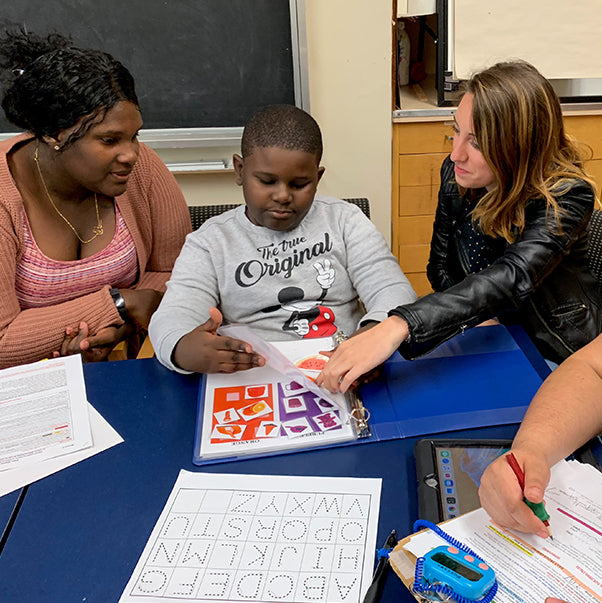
{"x":541,"y":281}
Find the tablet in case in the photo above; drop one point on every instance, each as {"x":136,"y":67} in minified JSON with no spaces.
{"x":448,"y":473}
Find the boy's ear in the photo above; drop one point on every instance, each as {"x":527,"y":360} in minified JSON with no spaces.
{"x":321,"y":171}
{"x":238,"y":163}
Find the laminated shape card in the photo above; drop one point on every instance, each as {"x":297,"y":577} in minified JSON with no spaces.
{"x":263,"y":411}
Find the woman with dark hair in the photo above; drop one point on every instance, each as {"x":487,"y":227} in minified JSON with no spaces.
{"x":91,"y":221}
{"x":509,"y":239}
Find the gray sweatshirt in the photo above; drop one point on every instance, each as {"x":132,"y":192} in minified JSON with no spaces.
{"x":306,"y":282}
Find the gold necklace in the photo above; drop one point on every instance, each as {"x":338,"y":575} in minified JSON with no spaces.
{"x":97,"y":230}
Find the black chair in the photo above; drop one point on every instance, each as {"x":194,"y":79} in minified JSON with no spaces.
{"x":200,"y":213}
{"x":595,"y":244}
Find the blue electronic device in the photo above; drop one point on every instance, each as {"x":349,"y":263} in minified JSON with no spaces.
{"x":466,"y":575}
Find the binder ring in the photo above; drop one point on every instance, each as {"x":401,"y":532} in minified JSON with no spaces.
{"x":363,"y":418}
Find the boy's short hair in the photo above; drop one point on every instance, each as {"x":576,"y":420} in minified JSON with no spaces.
{"x":282,"y":126}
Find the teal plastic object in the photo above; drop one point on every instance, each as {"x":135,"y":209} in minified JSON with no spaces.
{"x":465,"y":575}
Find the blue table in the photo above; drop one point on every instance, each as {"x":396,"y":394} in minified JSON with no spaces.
{"x":81,"y":531}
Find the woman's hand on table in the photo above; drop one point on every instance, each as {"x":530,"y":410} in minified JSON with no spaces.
{"x":502,"y":497}
{"x":97,"y":347}
{"x":371,"y":375}
{"x":361,"y":353}
{"x":93,"y":348}
{"x":204,"y":351}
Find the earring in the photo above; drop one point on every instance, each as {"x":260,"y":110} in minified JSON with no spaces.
{"x":56,"y":147}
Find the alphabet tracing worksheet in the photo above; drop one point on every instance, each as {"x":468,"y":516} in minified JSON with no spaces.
{"x":258,"y":538}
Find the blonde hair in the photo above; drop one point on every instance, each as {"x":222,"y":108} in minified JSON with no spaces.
{"x":518,"y":125}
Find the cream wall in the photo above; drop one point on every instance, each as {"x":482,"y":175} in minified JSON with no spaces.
{"x":349,"y":55}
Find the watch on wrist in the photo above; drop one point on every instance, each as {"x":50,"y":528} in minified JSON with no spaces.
{"x":119,"y":303}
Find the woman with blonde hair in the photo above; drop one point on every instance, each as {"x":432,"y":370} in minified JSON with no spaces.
{"x":509,"y":239}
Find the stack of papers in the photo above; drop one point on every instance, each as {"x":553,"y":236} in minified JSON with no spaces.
{"x":529,"y":568}
{"x":46,"y":423}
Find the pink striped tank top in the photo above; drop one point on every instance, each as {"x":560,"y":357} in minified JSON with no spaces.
{"x":41,"y":281}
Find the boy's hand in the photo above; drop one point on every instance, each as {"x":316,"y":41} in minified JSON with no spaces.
{"x":204,"y":351}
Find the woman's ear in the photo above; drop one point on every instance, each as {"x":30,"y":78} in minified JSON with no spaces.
{"x":239,"y":164}
{"x":53,"y":143}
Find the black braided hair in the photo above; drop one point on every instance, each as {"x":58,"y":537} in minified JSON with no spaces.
{"x":50,"y":85}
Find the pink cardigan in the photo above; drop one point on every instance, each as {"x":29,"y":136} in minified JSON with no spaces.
{"x":156,"y":214}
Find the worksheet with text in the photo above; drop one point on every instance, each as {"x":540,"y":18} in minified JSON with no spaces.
{"x":530,"y":568}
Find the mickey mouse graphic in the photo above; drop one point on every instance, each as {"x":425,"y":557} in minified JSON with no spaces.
{"x":308,"y":318}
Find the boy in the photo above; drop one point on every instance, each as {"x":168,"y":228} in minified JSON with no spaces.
{"x":287,"y":263}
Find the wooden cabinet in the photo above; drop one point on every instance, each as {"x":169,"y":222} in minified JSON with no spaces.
{"x":419,"y":148}
{"x":588,"y":129}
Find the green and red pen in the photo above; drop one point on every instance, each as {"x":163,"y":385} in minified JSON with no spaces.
{"x":537,"y":508}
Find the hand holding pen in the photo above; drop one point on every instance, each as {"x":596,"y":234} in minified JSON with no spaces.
{"x":538,"y":508}
{"x":502,"y":495}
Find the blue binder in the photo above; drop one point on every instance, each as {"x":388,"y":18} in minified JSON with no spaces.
{"x":485,"y":376}
{"x":480,"y":378}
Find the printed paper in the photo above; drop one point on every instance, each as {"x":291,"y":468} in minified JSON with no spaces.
{"x":297,"y":539}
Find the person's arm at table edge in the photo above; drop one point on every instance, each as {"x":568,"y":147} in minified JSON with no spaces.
{"x":202,"y":350}
{"x":567,"y":409}
{"x":564,"y":414}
